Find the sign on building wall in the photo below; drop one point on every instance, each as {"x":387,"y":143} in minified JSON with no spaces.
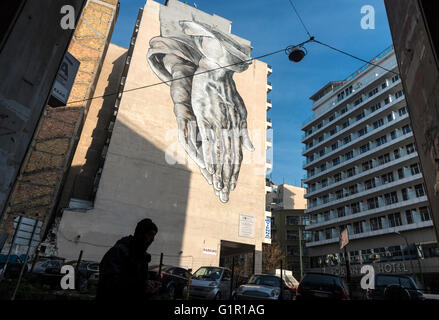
{"x":209,"y":251}
{"x":64,"y":81}
{"x":267,"y":227}
{"x":246,"y":226}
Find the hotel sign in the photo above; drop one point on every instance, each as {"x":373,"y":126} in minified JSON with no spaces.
{"x":388,"y":267}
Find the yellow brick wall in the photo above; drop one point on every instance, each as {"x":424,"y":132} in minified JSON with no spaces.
{"x":38,"y":185}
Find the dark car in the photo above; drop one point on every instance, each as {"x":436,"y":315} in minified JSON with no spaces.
{"x":322,"y":286}
{"x":173,"y":280}
{"x":394,"y":287}
{"x":263,"y":287}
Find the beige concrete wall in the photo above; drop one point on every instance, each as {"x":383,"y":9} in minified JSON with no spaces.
{"x":293,"y":197}
{"x":139,"y":182}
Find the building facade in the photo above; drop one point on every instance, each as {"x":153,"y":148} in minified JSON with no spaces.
{"x":363,"y":174}
{"x":156,"y":167}
{"x":415,"y":35}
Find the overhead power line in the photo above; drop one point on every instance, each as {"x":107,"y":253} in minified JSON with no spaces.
{"x":180,"y":78}
{"x":298,"y":15}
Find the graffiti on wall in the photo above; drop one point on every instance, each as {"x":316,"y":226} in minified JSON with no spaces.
{"x":198,"y":62}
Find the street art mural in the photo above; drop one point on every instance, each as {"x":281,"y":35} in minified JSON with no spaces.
{"x":198,"y":62}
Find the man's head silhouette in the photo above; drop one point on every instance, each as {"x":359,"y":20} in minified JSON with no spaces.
{"x":145,"y":232}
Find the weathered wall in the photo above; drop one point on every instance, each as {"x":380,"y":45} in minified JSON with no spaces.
{"x":139,"y":180}
{"x":418,"y":66}
{"x":37,"y":187}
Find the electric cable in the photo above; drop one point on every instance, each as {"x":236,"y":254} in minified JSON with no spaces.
{"x":297,"y":13}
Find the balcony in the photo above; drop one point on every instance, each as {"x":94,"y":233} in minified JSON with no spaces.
{"x":269,"y":124}
{"x":269,"y":87}
{"x":269,"y":70}
{"x":269,"y":143}
{"x":269,"y":106}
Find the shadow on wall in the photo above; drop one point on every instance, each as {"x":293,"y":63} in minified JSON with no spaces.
{"x":80,"y":183}
{"x":136,"y":183}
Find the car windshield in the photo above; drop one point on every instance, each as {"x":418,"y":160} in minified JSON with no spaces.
{"x":205,"y":273}
{"x":271,"y":281}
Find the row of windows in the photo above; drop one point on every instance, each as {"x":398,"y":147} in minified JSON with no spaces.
{"x":365,"y":166}
{"x":342,"y":95}
{"x":358,"y":117}
{"x":373,"y":202}
{"x":351,"y":136}
{"x":373,"y":224}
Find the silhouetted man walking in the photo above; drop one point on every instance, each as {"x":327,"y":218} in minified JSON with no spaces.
{"x":123,"y":271}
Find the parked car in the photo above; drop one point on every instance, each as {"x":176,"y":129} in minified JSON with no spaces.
{"x":41,"y":266}
{"x":173,"y":280}
{"x":265,"y":287}
{"x":211,"y":283}
{"x":394,"y":287}
{"x":322,"y":286}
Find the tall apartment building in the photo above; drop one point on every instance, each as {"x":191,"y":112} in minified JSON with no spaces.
{"x":363,"y":173}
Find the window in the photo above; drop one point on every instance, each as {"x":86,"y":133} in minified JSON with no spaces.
{"x":310,"y":145}
{"x":350,"y":172}
{"x":347,"y":139}
{"x":360,"y":116}
{"x":334,"y":146}
{"x":358,"y":101}
{"x":402,"y":111}
{"x":345,"y":124}
{"x":394,"y":219}
{"x":362,"y":132}
{"x":396,"y":153}
{"x":292,"y":235}
{"x":320,"y":138}
{"x":384,"y":159}
{"x":353,"y":189}
{"x":341,"y":212}
{"x":372,"y":203}
{"x":293,"y":251}
{"x":331,"y":118}
{"x":325,"y":198}
{"x":364,"y":148}
{"x":386,"y":101}
{"x":390,"y":117}
{"x":372,"y":92}
{"x":339,"y":194}
{"x":336,"y":161}
{"x":400,"y":173}
{"x":395,"y":78}
{"x":414,"y":168}
{"x":311,"y":158}
{"x":332,"y":132}
{"x":349,"y":155}
{"x":292,"y":220}
{"x":369,"y":184}
{"x":324,"y":183}
{"x":384,"y":85}
{"x":376,"y":223}
{"x":366,"y":165}
{"x":419,"y":189}
{"x":381,"y":141}
{"x":409,"y":216}
{"x":387,"y":178}
{"x":393,"y":135}
{"x":378,"y":123}
{"x":337,"y":177}
{"x":316,"y":236}
{"x":390,"y":198}
{"x":322,"y":153}
{"x":410,"y":148}
{"x":425,"y":215}
{"x":344,"y":110}
{"x":309,"y":132}
{"x":328,"y":233}
{"x":358,"y":227}
{"x":375,"y":107}
{"x":340,"y":96}
{"x":311,"y":173}
{"x":399,"y":94}
{"x":355,"y":207}
{"x":323,"y":167}
{"x":319,"y":125}
{"x":406,"y":129}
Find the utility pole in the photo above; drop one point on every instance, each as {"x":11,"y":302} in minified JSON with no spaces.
{"x":300,"y":254}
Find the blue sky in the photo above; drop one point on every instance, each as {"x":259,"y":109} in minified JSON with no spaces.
{"x":272,"y":25}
